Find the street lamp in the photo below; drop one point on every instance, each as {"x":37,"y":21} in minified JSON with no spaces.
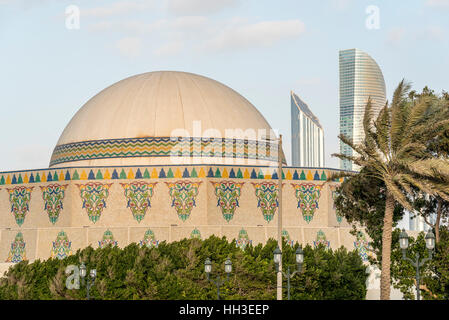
{"x":430,"y":245}
{"x":218,"y":282}
{"x":277,"y":257}
{"x":90,"y":280}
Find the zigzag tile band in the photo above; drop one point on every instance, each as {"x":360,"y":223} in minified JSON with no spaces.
{"x":164,"y":147}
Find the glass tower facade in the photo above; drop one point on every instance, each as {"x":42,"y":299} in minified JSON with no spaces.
{"x":307,"y":135}
{"x":360,"y":79}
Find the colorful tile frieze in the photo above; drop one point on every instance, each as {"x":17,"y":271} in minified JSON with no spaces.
{"x":307,"y":195}
{"x":17,"y":252}
{"x":243,"y":240}
{"x":149,"y":240}
{"x":53,"y":195}
{"x":321,"y":239}
{"x":107,"y":240}
{"x":267,"y":198}
{"x":138,"y":196}
{"x":20,"y":197}
{"x":228,"y":195}
{"x":94,"y":195}
{"x":62,"y":247}
{"x":362,"y":246}
{"x":286,"y":236}
{"x":195,"y":234}
{"x":159,"y":147}
{"x":183,"y":195}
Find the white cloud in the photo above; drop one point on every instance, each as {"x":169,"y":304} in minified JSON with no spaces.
{"x":130,"y":47}
{"x":261,"y":34}
{"x":395,"y":36}
{"x":436,"y":33}
{"x":169,"y":49}
{"x":194,"y":7}
{"x":117,"y":8}
{"x":437,"y":3}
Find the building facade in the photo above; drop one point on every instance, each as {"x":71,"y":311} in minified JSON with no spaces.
{"x":307,"y":135}
{"x":360,"y":79}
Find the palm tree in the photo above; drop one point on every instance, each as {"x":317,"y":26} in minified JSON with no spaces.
{"x":394,"y":149}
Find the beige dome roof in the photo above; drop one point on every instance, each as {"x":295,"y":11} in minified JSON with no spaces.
{"x":154,"y":104}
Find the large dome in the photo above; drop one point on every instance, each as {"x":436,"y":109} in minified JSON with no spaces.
{"x":133,"y":122}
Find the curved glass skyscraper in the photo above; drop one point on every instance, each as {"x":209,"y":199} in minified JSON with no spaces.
{"x":307,"y":135}
{"x":360,"y":78}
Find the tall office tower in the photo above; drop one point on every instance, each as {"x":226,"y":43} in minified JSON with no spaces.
{"x":307,"y":135}
{"x":360,"y":78}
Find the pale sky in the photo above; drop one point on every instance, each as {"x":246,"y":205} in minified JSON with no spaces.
{"x":262,"y":49}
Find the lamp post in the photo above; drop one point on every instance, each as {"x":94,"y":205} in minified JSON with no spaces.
{"x":90,"y":280}
{"x":278,"y":260}
{"x":430,"y":245}
{"x":218,"y":282}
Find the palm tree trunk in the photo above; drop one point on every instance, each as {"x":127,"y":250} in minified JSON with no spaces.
{"x":386,"y":248}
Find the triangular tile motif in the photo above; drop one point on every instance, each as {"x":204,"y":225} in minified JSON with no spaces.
{"x":178,"y":173}
{"x":74,"y":177}
{"x":170,"y":173}
{"x":307,"y":195}
{"x":267,"y":198}
{"x":14,"y":179}
{"x":323,"y":176}
{"x":201,"y":174}
{"x":83,"y":175}
{"x":260,"y":175}
{"x":309,"y":175}
{"x":253,"y":174}
{"x":91,"y":175}
{"x":194,"y":174}
{"x":55,"y":176}
{"x":31,"y":179}
{"x":49,"y":177}
{"x":162,"y":173}
{"x":302,"y":176}
{"x":17,"y":252}
{"x":61,"y":176}
{"x":295,"y":175}
{"x":185,"y":173}
{"x":210,"y":173}
{"x":99,"y":176}
{"x":225,"y":173}
{"x":61,"y":247}
{"x":67,"y":176}
{"x":138,"y":195}
{"x":19,"y":198}
{"x":217,"y":173}
{"x":107,"y":175}
{"x":130,"y":174}
{"x":53,"y":196}
{"x":289,"y":175}
{"x":2,"y":180}
{"x":274,"y":176}
{"x":122,"y":174}
{"x":228,"y":195}
{"x":25,"y":179}
{"x":20,"y":180}
{"x":232,"y":174}
{"x":94,"y":195}
{"x":239,"y":174}
{"x":316,"y":176}
{"x":38,"y":178}
{"x":114,"y":174}
{"x":246,"y":174}
{"x":138,"y":174}
{"x":183,"y":194}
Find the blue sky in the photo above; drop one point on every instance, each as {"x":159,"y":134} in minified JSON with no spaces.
{"x":262,"y":49}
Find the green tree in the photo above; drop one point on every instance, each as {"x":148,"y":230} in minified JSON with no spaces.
{"x":176,"y":271}
{"x":395,"y":151}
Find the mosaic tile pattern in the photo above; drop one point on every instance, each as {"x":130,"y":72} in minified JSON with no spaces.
{"x":53,"y":195}
{"x":20,"y":197}
{"x":17,"y":252}
{"x":138,"y":195}
{"x":62,"y":247}
{"x":228,"y":195}
{"x":321,"y":239}
{"x":183,"y":195}
{"x":94,"y":197}
{"x":243,"y":240}
{"x":267,"y":198}
{"x":149,"y":240}
{"x":308,"y":195}
{"x":162,"y":147}
{"x":362,"y":246}
{"x":107,"y":240}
